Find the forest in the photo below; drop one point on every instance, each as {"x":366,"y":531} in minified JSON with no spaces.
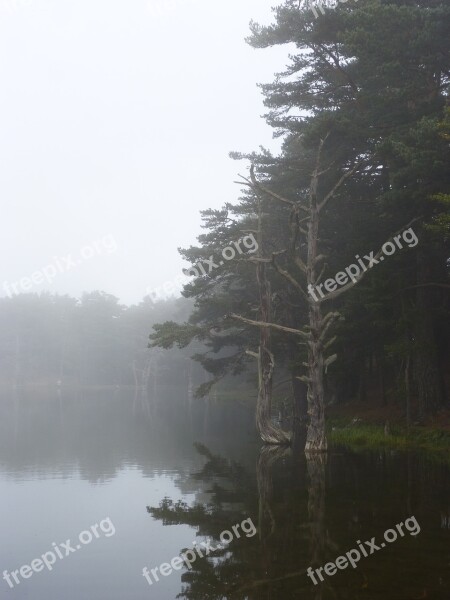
{"x":58,"y":341}
{"x":363,"y":113}
{"x":238,"y":353}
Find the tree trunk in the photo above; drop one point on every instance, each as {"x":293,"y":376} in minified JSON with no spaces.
{"x":316,"y":337}
{"x":266,"y":364}
{"x":316,"y":440}
{"x":300,"y":413}
{"x":299,"y":390}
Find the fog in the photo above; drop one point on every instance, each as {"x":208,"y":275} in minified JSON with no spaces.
{"x":117,"y":119}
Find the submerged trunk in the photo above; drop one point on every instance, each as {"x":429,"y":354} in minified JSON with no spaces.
{"x":266,"y":363}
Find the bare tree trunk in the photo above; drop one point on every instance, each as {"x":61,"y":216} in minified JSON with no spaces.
{"x":266,"y":364}
{"x":299,"y":390}
{"x":316,"y":440}
{"x":316,"y":338}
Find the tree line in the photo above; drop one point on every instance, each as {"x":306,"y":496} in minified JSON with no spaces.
{"x":363,"y":111}
{"x":92,"y":341}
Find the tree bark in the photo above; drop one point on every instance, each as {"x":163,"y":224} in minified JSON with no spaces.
{"x":316,"y":440}
{"x":266,"y":364}
{"x":299,"y":391}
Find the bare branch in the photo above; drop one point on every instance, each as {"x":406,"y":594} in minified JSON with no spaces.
{"x":318,"y":279}
{"x":274,"y":326}
{"x":300,"y":264}
{"x":329,"y":320}
{"x":335,"y":188}
{"x":319,"y":258}
{"x":263,"y":188}
{"x":329,"y":361}
{"x":330,"y":342}
{"x":289,"y":277}
{"x":256,"y":259}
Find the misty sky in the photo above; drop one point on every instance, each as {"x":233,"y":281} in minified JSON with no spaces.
{"x":116,"y":122}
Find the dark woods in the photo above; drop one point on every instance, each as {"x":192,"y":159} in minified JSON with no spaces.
{"x":363,"y":111}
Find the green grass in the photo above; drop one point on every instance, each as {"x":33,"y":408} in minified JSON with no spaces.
{"x":372,"y":436}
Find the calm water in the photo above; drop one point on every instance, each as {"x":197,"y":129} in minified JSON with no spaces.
{"x":75,"y":459}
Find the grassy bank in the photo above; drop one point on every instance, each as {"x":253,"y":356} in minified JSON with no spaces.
{"x":363,"y":435}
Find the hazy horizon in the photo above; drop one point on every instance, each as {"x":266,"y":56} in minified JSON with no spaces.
{"x":108,"y":135}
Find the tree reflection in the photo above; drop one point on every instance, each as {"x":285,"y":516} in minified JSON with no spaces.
{"x":232,"y":500}
{"x":290,"y":523}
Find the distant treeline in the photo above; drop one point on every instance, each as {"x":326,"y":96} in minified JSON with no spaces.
{"x":59,"y":340}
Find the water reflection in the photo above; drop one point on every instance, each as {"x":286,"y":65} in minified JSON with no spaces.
{"x":98,"y":432}
{"x":310,"y":510}
{"x":70,"y":458}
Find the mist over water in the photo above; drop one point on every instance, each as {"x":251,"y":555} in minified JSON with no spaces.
{"x":70,"y":459}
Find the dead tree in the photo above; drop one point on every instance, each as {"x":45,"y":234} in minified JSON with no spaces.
{"x":269,"y":433}
{"x":305,"y":221}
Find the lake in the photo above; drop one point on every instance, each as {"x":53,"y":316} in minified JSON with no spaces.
{"x":96,"y":485}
